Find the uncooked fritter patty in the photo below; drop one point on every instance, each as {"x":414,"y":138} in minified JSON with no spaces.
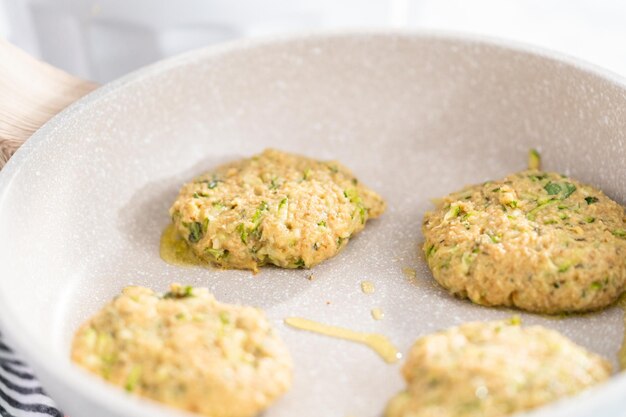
{"x":493,"y":369}
{"x":536,"y":240}
{"x":274,"y":208}
{"x":186,"y":350}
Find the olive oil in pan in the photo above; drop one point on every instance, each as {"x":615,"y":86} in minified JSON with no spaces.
{"x":175,"y":251}
{"x":377,"y":342}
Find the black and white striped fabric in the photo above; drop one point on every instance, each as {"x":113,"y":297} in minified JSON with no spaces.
{"x":20,"y":392}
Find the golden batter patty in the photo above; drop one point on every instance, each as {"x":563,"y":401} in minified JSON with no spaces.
{"x":187,"y":350}
{"x":274,"y":208}
{"x":536,"y":240}
{"x":493,"y":369}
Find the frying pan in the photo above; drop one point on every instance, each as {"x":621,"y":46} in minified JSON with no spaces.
{"x":84,"y":201}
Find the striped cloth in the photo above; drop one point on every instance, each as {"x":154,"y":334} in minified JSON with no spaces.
{"x":21,"y":394}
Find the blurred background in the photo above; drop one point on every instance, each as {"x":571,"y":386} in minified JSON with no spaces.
{"x":103,"y":39}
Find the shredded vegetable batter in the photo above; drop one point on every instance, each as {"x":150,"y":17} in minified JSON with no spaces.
{"x":493,"y":369}
{"x":274,"y":208}
{"x":536,"y":240}
{"x":187,"y":350}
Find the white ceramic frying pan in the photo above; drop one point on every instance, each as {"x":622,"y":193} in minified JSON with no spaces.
{"x":83,"y":203}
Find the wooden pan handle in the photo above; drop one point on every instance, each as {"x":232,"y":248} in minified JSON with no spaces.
{"x":31,"y":92}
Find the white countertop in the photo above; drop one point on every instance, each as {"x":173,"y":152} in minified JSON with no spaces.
{"x":103,"y":39}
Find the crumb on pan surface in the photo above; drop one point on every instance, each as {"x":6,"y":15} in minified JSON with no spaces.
{"x":273,"y":208}
{"x":492,"y":369}
{"x":187,"y":350}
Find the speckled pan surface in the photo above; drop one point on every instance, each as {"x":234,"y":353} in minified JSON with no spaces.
{"x":83,"y":204}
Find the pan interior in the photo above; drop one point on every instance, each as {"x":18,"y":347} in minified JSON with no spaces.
{"x":414,"y":117}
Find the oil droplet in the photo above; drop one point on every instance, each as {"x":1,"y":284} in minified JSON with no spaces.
{"x":379,"y":343}
{"x":410,"y":273}
{"x":377,"y":314}
{"x":174,"y":250}
{"x":367,"y":287}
